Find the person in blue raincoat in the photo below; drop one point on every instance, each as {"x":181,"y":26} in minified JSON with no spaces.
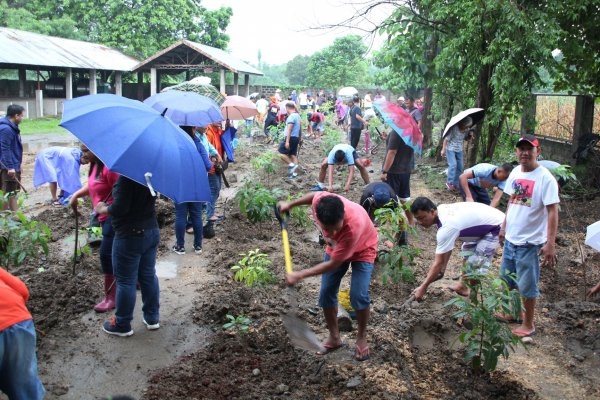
{"x":59,"y":168}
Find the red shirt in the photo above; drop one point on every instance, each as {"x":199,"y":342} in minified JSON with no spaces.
{"x":13,"y":299}
{"x":357,"y":240}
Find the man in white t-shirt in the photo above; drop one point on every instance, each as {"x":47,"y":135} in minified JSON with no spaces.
{"x":261,"y":106}
{"x":476,"y":224}
{"x":529,"y":230}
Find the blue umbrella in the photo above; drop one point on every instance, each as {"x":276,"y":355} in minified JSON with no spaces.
{"x":136,"y":141}
{"x":186,"y":108}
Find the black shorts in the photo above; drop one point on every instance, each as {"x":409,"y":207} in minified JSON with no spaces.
{"x":8,"y":184}
{"x":293,"y":150}
{"x":401,"y":184}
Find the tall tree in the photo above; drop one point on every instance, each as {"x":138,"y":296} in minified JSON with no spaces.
{"x":341,"y":64}
{"x":296,"y":70}
{"x":137,"y":27}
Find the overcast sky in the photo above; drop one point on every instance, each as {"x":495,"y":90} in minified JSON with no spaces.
{"x":283,"y":29}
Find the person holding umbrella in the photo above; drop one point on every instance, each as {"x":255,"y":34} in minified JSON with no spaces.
{"x":452,"y":149}
{"x":99,"y":188}
{"x":134,"y":254}
{"x":191,"y":208}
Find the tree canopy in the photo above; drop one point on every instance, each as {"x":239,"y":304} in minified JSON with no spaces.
{"x":488,"y":54}
{"x":341,"y":64}
{"x":137,"y":27}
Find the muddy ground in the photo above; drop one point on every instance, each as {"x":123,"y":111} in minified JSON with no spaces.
{"x":413,"y":350}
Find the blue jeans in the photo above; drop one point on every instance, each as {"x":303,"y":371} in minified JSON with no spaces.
{"x":134,"y":259}
{"x":181,"y":218}
{"x":18,"y":363}
{"x":359,"y":285}
{"x":455,"y":166}
{"x":214,"y":182}
{"x":108,"y":236}
{"x":524,"y":261}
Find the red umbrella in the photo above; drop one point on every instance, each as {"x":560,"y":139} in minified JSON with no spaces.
{"x":237,"y":107}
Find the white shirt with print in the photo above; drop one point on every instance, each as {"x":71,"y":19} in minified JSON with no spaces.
{"x":530,"y":193}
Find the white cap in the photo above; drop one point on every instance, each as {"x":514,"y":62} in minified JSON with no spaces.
{"x":400,"y":98}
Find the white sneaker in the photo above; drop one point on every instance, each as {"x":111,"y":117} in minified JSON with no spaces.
{"x":151,"y":327}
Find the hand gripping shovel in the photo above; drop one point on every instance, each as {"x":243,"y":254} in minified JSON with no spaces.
{"x":299,"y":332}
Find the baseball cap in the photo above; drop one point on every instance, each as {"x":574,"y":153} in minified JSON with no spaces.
{"x":532,"y":140}
{"x":381,"y":196}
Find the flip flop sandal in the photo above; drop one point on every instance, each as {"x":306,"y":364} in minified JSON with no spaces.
{"x":523,"y":334}
{"x":362,"y":354}
{"x":330,"y":349}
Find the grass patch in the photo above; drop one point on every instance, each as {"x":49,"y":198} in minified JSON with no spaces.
{"x":433,"y":177}
{"x":41,"y":125}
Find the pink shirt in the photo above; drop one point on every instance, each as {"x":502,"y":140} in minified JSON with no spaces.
{"x":357,"y":240}
{"x":100,"y":188}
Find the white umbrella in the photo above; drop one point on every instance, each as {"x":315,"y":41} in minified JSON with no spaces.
{"x":348,"y":91}
{"x":476,"y":115}
{"x":592,"y":238}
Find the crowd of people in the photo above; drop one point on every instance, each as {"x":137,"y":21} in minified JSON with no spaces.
{"x":125,"y":211}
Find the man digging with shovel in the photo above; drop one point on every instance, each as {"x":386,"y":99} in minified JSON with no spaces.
{"x":351,"y":239}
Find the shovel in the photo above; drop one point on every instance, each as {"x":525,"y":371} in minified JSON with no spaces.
{"x":299,"y":332}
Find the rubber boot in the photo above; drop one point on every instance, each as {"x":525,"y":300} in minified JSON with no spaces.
{"x":110,"y":291}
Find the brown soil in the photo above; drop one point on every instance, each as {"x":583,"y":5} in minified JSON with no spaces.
{"x":413,"y":350}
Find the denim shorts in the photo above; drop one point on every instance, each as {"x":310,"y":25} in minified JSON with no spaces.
{"x":524,"y":261}
{"x":359,"y":284}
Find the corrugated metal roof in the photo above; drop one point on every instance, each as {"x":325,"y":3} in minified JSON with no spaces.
{"x":218,"y":56}
{"x":27,"y":48}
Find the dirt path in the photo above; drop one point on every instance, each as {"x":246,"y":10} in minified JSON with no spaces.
{"x":79,"y":361}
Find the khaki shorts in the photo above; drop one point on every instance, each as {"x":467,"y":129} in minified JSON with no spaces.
{"x":8,"y":184}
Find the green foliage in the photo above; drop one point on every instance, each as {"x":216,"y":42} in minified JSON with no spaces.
{"x":565,"y":173}
{"x":257,"y":201}
{"x":20,"y":237}
{"x":299,"y":215}
{"x":296,"y":70}
{"x":252,"y":269}
{"x":488,"y":338}
{"x":138,"y":28}
{"x":433,"y":177}
{"x":238,"y":325}
{"x":267,"y":164}
{"x":396,"y":261}
{"x":331,"y":137}
{"x":341,"y":64}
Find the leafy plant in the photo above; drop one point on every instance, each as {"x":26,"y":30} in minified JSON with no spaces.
{"x":397,"y":260}
{"x":238,"y":325}
{"x":488,"y":338}
{"x":257,"y":201}
{"x":331,"y":137}
{"x":20,"y":237}
{"x":253,"y":269}
{"x":266,"y":164}
{"x":299,"y":215}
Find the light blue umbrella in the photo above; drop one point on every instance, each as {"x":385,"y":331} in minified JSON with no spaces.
{"x":137,"y":141}
{"x":186,"y":108}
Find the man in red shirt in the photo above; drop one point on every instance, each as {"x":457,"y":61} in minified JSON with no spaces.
{"x":18,"y":363}
{"x":351,"y":239}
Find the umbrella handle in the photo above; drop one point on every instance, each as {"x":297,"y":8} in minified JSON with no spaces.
{"x":148,"y":175}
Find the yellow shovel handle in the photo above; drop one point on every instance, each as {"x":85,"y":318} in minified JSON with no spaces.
{"x":286,"y":251}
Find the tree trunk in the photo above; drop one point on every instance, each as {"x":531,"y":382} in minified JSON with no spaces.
{"x":449,"y":111}
{"x":484,"y":99}
{"x":426,"y":124}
